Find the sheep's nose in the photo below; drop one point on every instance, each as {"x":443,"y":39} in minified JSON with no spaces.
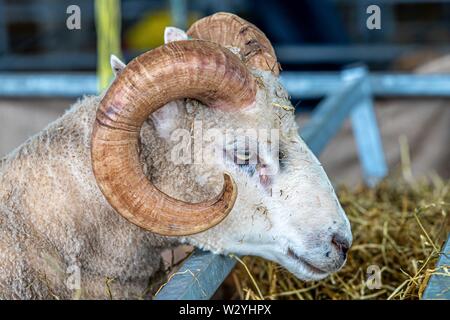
{"x":341,"y":244}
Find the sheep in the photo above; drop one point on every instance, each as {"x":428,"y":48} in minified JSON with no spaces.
{"x":78,"y":219}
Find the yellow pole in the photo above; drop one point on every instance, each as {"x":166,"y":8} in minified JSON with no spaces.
{"x":108,"y":25}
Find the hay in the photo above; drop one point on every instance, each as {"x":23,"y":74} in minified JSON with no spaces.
{"x":398,"y":227}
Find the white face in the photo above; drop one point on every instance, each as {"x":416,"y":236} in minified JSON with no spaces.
{"x":292,"y":217}
{"x":286,"y":209}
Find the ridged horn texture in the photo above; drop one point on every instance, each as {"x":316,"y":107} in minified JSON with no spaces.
{"x":194,"y":69}
{"x":228,"y":29}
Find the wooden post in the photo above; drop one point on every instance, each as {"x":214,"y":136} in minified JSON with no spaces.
{"x":108,"y":25}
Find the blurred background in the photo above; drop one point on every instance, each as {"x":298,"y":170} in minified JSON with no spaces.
{"x":309,"y":35}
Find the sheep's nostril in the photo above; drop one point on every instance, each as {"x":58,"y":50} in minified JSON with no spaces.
{"x":341,"y":244}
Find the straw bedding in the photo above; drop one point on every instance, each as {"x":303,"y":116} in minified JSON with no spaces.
{"x":398,"y":227}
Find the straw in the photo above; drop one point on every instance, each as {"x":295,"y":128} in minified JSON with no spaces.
{"x":399,"y":227}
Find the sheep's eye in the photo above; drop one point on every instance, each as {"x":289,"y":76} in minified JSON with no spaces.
{"x":252,"y":164}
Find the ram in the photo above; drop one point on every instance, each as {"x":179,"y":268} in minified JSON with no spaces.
{"x":168,"y":155}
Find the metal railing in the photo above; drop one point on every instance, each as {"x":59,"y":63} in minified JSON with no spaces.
{"x":299,"y":84}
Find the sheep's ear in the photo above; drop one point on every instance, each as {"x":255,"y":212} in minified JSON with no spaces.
{"x":116,"y":65}
{"x":174,"y":34}
{"x":166,"y":118}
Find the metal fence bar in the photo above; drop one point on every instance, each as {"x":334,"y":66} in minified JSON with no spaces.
{"x":299,"y":84}
{"x":330,"y":114}
{"x":314,"y":85}
{"x":436,"y":85}
{"x":310,"y":84}
{"x":365,"y":129}
{"x":198,"y":278}
{"x":348,"y":53}
{"x":439,"y":285}
{"x":43,"y":85}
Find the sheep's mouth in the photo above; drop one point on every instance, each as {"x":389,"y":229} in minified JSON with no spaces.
{"x":310,"y":267}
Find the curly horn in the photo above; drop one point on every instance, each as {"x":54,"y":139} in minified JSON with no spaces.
{"x":228,"y":29}
{"x":196,"y":69}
